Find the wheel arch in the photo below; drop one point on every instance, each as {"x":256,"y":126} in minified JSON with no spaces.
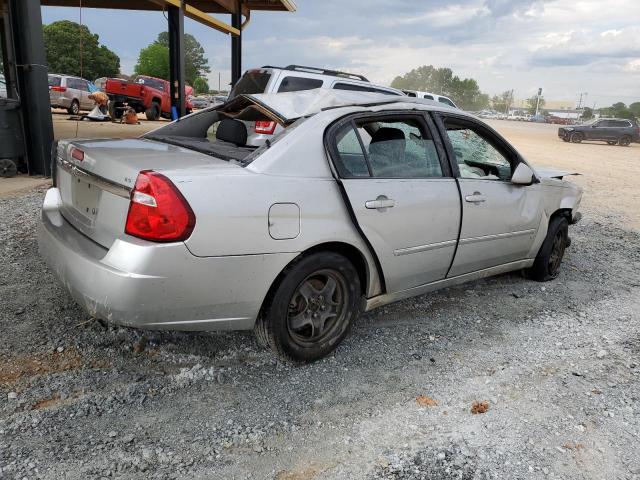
{"x":563,"y":211}
{"x":351,"y":253}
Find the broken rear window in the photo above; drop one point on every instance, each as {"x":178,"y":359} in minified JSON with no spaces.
{"x":254,"y":81}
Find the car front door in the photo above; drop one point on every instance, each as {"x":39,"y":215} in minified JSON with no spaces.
{"x":401,"y":193}
{"x":599,"y":131}
{"x":499,"y":219}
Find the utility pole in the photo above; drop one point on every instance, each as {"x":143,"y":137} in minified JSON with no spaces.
{"x":218,"y":82}
{"x":538,"y":100}
{"x":580,"y":101}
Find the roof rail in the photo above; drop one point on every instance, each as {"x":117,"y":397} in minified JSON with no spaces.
{"x":322,"y":71}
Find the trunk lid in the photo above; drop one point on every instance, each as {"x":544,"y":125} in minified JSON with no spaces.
{"x":95,"y":191}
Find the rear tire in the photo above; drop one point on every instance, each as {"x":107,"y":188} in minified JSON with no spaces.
{"x":312,"y":308}
{"x":624,"y":141}
{"x":153,"y":112}
{"x":576,"y":137}
{"x":115,"y":112}
{"x":547,"y":263}
{"x":74,"y":109}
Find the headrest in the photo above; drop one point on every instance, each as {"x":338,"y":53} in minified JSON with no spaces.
{"x":388,"y":142}
{"x":385,"y":134}
{"x":233,"y":131}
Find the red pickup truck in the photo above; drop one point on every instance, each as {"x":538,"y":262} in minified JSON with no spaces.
{"x":144,"y":94}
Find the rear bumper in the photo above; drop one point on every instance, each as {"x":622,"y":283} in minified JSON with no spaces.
{"x":60,"y":102}
{"x":155,"y":286}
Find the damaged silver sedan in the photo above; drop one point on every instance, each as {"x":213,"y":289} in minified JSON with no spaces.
{"x":362,"y":200}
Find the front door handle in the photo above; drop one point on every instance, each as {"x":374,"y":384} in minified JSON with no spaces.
{"x":381,"y":203}
{"x":477,"y":197}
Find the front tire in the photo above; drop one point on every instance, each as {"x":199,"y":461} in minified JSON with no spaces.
{"x":612,"y":142}
{"x":549,"y":259}
{"x":576,"y":137}
{"x":312,"y":308}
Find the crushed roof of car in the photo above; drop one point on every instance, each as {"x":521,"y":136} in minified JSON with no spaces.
{"x":290,"y":106}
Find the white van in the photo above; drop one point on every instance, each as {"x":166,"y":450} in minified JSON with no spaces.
{"x":430,"y":96}
{"x":295,"y":78}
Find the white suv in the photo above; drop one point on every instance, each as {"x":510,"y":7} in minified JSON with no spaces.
{"x":430,"y":96}
{"x":295,"y":78}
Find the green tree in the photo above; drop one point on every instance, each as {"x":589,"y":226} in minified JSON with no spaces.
{"x":501,"y":102}
{"x":635,"y":109}
{"x":153,"y":61}
{"x":618,"y":110}
{"x":195,"y":62}
{"x":531,"y":103}
{"x":465,"y":92}
{"x":73,"y":50}
{"x":587,"y":113}
{"x":200,"y":85}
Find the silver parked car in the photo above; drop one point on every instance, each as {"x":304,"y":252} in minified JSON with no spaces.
{"x":70,"y":92}
{"x":362,"y":200}
{"x":430,"y":96}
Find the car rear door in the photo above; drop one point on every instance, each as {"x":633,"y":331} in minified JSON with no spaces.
{"x":401,"y":193}
{"x":499,"y":219}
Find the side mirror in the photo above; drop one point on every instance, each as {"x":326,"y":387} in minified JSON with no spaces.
{"x":523,"y":175}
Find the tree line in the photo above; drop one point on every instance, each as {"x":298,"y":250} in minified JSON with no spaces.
{"x":72,"y":49}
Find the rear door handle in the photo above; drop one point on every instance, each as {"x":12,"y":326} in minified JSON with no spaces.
{"x":477,"y":197}
{"x":380,"y":203}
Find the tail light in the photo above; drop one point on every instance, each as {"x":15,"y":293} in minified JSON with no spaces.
{"x":59,"y":89}
{"x":158,"y":211}
{"x":77,"y":154}
{"x":264,"y":126}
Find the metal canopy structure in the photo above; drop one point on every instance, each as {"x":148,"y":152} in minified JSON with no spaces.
{"x":24,"y":54}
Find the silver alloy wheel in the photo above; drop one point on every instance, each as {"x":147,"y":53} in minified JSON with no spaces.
{"x":576,"y":137}
{"x":318,"y":307}
{"x":75,"y":107}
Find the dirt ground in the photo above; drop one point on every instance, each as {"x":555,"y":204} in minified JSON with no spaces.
{"x":502,"y":378}
{"x":609,"y":174}
{"x":65,"y":128}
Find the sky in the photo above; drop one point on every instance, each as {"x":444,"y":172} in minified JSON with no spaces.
{"x":566,"y":47}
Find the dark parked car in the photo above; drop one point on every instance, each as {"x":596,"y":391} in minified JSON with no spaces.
{"x":614,"y":131}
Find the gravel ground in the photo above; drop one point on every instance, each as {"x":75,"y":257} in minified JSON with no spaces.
{"x":557,"y":365}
